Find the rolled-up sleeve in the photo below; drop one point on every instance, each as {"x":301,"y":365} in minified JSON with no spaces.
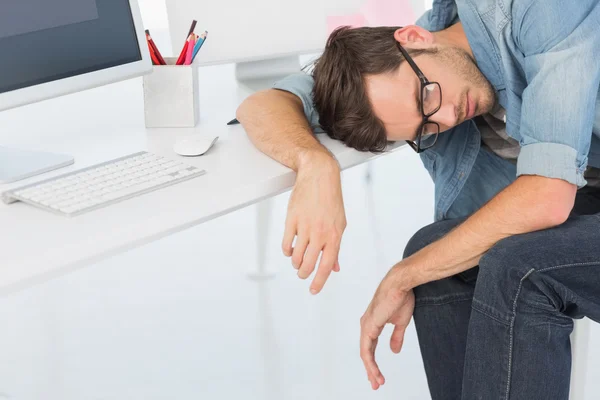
{"x":301,"y":85}
{"x":558,"y":104}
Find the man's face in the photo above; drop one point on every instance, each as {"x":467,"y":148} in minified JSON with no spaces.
{"x":466,"y":93}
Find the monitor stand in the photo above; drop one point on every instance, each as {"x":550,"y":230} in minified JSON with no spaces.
{"x":262,"y":74}
{"x":18,"y":164}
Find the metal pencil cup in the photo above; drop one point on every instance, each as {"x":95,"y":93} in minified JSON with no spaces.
{"x":171,"y":96}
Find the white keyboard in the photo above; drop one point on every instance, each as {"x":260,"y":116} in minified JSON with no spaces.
{"x":103,"y":184}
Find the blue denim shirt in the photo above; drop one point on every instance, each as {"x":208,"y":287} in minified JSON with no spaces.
{"x":543,"y":59}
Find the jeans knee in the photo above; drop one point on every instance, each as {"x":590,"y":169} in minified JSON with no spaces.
{"x":507,"y":276}
{"x":508,"y":261}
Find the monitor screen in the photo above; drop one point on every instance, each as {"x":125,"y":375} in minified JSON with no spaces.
{"x":43,"y":41}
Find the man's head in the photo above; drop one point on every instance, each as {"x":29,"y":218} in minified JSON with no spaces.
{"x":366,"y":94}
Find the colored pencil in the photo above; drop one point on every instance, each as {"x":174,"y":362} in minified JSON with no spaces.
{"x":194,"y":22}
{"x":155,"y":48}
{"x":183,"y":53}
{"x":190,"y":50}
{"x":153,"y":55}
{"x":199,"y":44}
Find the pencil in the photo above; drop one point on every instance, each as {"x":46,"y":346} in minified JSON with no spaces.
{"x":183,"y":53}
{"x":190,"y":50}
{"x":153,"y":45}
{"x":194,"y":22}
{"x":199,"y":44}
{"x":153,"y":55}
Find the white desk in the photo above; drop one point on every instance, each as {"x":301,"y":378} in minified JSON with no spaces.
{"x":106,"y":123}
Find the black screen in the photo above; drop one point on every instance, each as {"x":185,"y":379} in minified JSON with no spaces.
{"x":46,"y":40}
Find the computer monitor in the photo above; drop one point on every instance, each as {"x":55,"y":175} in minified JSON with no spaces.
{"x":265,"y":37}
{"x":52,"y":48}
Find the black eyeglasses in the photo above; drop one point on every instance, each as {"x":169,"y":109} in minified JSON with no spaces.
{"x":430,"y":103}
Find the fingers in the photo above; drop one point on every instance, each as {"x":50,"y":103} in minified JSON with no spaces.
{"x":397,"y":338}
{"x":336,"y":267}
{"x":305,"y":253}
{"x":309,"y":260}
{"x":327,"y":264}
{"x":288,"y":238}
{"x":368,"y":344}
{"x":299,"y":250}
{"x":367,"y":354}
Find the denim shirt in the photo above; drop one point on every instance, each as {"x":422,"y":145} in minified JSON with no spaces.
{"x":542,"y":58}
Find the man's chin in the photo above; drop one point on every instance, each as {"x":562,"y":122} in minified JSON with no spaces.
{"x":485,"y":106}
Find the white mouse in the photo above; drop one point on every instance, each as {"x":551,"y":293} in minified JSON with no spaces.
{"x":196,"y":145}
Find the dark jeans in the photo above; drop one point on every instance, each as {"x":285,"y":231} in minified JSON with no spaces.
{"x":501,"y":330}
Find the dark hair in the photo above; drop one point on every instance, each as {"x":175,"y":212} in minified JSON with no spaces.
{"x":339,"y":94}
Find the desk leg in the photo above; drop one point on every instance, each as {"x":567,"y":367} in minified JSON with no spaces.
{"x":372,"y":217}
{"x":269,"y":344}
{"x":263,"y":220}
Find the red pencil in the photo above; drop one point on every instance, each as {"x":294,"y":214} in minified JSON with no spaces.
{"x":155,"y":48}
{"x":181,"y":58}
{"x":153,"y":55}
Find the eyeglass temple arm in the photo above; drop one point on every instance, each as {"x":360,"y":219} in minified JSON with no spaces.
{"x":412,"y":63}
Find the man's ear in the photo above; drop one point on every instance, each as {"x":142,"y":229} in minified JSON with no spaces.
{"x":413,"y":36}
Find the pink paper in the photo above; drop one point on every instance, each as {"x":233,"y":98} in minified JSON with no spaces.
{"x":354,"y":20}
{"x":388,"y":13}
{"x":376,"y":13}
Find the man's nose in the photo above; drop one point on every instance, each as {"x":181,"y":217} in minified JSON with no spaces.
{"x":447,"y":116}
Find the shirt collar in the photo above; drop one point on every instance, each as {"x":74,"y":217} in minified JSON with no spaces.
{"x":448,"y":12}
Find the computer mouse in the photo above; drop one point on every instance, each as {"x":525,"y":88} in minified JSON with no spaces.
{"x":196,"y":145}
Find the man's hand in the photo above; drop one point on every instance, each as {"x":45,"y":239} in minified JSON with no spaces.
{"x":316,"y":218}
{"x":389,"y":305}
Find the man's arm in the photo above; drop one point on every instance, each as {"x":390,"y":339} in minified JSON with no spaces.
{"x":277,"y":126}
{"x":531,"y":203}
{"x":277,"y":122}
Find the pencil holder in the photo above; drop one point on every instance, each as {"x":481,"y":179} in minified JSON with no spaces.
{"x":171,"y":96}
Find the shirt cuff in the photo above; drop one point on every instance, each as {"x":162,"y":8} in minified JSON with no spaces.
{"x":552,"y":160}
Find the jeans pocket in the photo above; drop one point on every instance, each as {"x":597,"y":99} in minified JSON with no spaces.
{"x":469,"y":276}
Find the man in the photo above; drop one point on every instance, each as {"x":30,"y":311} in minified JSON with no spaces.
{"x":500,"y":98}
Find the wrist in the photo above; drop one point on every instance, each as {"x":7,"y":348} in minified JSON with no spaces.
{"x":405,"y":276}
{"x":321,"y":160}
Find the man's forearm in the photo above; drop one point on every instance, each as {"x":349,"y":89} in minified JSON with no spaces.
{"x":529,"y":204}
{"x":276,"y":125}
